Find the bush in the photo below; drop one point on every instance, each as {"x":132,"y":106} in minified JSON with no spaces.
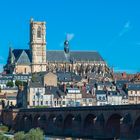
{"x":19,"y":136}
{"x":20,"y":83}
{"x":10,"y":84}
{"x":35,"y":134}
{"x":2,"y":137}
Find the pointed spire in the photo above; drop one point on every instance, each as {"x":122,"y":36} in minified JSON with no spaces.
{"x":10,"y":59}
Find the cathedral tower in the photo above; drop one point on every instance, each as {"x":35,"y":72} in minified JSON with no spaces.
{"x":38,"y":45}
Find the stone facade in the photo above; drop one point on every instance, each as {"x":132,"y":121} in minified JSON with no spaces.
{"x":50,"y":79}
{"x":38,"y":45}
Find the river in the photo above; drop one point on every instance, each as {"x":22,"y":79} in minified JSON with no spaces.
{"x":62,"y":138}
{"x":53,"y":138}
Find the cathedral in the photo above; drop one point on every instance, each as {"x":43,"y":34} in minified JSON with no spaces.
{"x":37,"y":58}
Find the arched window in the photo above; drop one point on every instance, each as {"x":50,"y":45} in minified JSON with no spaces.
{"x":39,"y":32}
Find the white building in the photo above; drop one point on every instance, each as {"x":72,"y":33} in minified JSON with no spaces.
{"x":101,"y":97}
{"x":114,"y":98}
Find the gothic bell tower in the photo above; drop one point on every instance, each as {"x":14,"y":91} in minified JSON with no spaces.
{"x":38,"y":45}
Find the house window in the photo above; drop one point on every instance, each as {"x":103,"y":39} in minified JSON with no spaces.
{"x":59,"y":102}
{"x":55,"y":103}
{"x":90,"y":100}
{"x":131,"y":98}
{"x":41,"y":96}
{"x":41,"y":102}
{"x":33,"y":103}
{"x":34,"y":97}
{"x":46,"y":102}
{"x":63,"y":102}
{"x":39,"y":32}
{"x":103,"y":97}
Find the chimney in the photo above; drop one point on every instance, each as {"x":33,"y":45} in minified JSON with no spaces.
{"x":64,"y":87}
{"x":124,"y":75}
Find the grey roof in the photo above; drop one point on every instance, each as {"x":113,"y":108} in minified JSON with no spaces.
{"x":22,"y":56}
{"x":114,"y":93}
{"x":54,"y":90}
{"x":61,"y":56}
{"x":36,"y":84}
{"x":135,"y":87}
{"x":106,"y":83}
{"x":121,"y":83}
{"x":100,"y":92}
{"x":68,"y":77}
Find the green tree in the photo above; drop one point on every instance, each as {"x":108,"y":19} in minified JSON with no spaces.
{"x":10,"y":84}
{"x":19,"y":136}
{"x":20,"y":83}
{"x":35,"y":134}
{"x":2,"y":137}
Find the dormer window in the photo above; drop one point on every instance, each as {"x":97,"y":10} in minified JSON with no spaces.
{"x":39,"y":32}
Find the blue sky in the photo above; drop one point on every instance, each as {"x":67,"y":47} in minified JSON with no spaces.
{"x":111,"y":27}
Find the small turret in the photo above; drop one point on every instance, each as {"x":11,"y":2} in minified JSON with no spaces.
{"x":66,"y":46}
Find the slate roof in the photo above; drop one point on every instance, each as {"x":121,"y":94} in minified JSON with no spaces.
{"x":135,"y":87}
{"x":36,"y":84}
{"x":61,"y":56}
{"x":99,"y":92}
{"x":114,"y":93}
{"x":18,"y":52}
{"x":68,"y":77}
{"x":54,"y":90}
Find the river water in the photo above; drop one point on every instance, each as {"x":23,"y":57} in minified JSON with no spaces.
{"x":53,"y":138}
{"x":62,"y":138}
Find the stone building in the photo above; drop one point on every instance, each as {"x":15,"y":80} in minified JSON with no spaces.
{"x":133,"y":90}
{"x":37,"y":58}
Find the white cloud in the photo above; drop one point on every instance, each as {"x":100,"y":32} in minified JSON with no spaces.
{"x":69,"y":36}
{"x":126,"y":28}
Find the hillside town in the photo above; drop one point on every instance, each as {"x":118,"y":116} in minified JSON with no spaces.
{"x":37,"y":77}
{"x":65,"y":89}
